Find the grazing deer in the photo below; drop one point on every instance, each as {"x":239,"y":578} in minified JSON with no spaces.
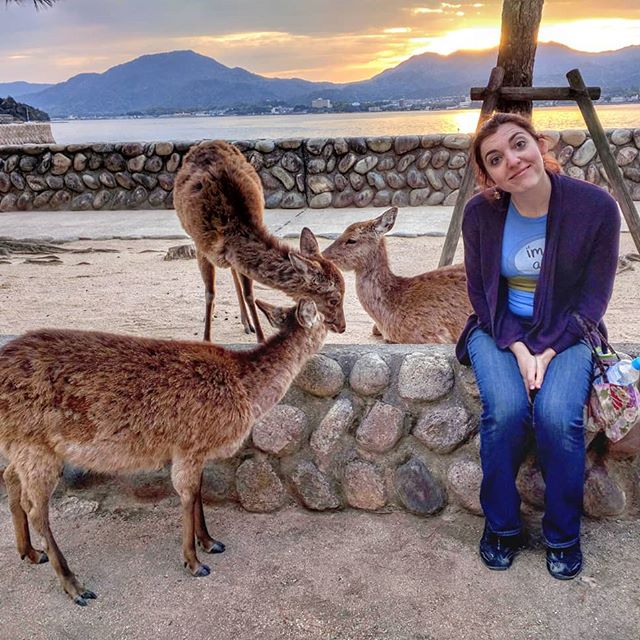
{"x":219,"y":200}
{"x":112,"y":403}
{"x":430,"y":307}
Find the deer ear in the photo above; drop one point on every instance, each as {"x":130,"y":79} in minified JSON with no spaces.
{"x":385,"y":222}
{"x":305,"y":267}
{"x":307,"y":313}
{"x":308,"y":243}
{"x":275,"y":315}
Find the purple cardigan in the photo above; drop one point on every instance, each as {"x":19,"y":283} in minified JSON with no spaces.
{"x":577,"y":273}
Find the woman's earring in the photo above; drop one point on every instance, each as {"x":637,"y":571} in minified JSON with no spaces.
{"x":496,"y":194}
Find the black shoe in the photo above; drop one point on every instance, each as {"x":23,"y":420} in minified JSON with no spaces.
{"x":498,"y":552}
{"x":564,"y":564}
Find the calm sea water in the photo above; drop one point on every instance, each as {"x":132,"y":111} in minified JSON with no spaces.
{"x":320,"y":125}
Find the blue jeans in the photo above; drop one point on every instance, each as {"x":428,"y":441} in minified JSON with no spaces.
{"x":554,"y":417}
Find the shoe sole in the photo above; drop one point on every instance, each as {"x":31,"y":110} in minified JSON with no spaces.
{"x":561,"y":577}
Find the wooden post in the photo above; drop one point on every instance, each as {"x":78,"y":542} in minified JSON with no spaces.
{"x":599,"y":138}
{"x":468,"y":181}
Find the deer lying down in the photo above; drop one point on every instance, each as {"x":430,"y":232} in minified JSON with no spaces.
{"x":219,"y":201}
{"x":112,"y":403}
{"x":430,"y":307}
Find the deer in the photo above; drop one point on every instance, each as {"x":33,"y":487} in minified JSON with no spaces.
{"x":428,"y":308}
{"x":114,"y":404}
{"x":219,"y":201}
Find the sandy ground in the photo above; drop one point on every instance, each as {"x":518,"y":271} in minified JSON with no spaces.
{"x":308,"y":576}
{"x":134,"y":290}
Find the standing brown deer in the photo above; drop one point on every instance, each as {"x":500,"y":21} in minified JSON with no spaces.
{"x":112,"y":403}
{"x":430,"y":307}
{"x":219,"y":200}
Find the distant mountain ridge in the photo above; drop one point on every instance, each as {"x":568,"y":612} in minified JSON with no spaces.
{"x":187,"y":81}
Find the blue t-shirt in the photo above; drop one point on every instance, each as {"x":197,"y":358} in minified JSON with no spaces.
{"x":522,"y":250}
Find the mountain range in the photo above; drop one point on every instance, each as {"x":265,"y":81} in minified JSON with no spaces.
{"x":187,"y":81}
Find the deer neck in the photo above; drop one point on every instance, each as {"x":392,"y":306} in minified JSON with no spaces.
{"x":375,"y":283}
{"x":265,"y":259}
{"x":269,"y":369}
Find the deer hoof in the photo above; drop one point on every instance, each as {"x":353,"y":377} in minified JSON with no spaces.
{"x":201,"y":571}
{"x":81,"y":598}
{"x":216,"y":547}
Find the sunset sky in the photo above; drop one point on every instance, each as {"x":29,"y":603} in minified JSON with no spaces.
{"x":332,"y":40}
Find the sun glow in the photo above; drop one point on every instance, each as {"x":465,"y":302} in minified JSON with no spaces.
{"x":593,"y":35}
{"x":463,"y":39}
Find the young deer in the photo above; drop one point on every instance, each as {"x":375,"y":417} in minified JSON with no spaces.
{"x":430,"y":307}
{"x":112,"y":403}
{"x":219,"y":200}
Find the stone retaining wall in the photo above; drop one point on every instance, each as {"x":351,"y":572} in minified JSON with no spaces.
{"x":378,"y":428}
{"x":317,"y":173}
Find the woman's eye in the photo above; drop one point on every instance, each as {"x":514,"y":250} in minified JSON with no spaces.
{"x":521,"y":143}
{"x":351,"y":241}
{"x":494,"y":161}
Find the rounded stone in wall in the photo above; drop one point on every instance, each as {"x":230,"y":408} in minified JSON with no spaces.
{"x":316,"y":165}
{"x":114,"y":162}
{"x":279,"y":432}
{"x":269,"y":183}
{"x":463,"y":480}
{"x":457,"y":141}
{"x":60,"y":199}
{"x":552,"y":138}
{"x":364,"y":486}
{"x":629,"y":172}
{"x":382,"y":198}
{"x":125,"y":180}
{"x":24,"y":202}
{"x":294,"y":200}
{"x":357,"y":145}
{"x":42,"y":199}
{"x":17,"y":180}
{"x":357,"y":181}
{"x":340,"y":146}
{"x":621,"y":136}
{"x":138,"y":196}
{"x":418,"y":197}
{"x":434,"y":179}
{"x":331,"y":164}
{"x":531,"y":484}
{"x":343,"y":199}
{"x":147,"y":181}
{"x":370,"y":375}
{"x":164,"y":148}
{"x":291,"y":162}
{"x":405,"y":162}
{"x":91,"y":181}
{"x":8,"y":202}
{"x":451,"y":199}
{"x":321,"y":201}
{"x":153,"y":164}
{"x":173,"y":162}
{"x":376,"y":180}
{"x":36,"y":183}
{"x":425,"y":376}
{"x":423,"y":160}
{"x":385,"y":163}
{"x":315,"y":145}
{"x":457,"y":161}
{"x":59,"y":164}
{"x":584,"y":154}
{"x":400,"y":199}
{"x":402,"y":144}
{"x":341,"y":182}
{"x":28,"y":163}
{"x":107,"y":179}
{"x":273,"y":199}
{"x":11,"y":163}
{"x":452,"y":179}
{"x":416,"y":179}
{"x":326,"y":438}
{"x":284,"y":177}
{"x":101,"y":199}
{"x":364,"y":198}
{"x":73,"y":181}
{"x":131,"y":149}
{"x":444,"y":428}
{"x":313,"y":488}
{"x":365,"y":164}
{"x":575,"y":172}
{"x":396,"y":180}
{"x":265,"y":146}
{"x":381,"y":428}
{"x":431,"y":140}
{"x":5,"y":182}
{"x":157,"y":197}
{"x":626,"y":156}
{"x":45,"y":163}
{"x":136,"y":164}
{"x":417,"y":489}
{"x":95,"y":161}
{"x":380,"y":145}
{"x":603,"y":497}
{"x":435,"y":199}
{"x":593,"y":175}
{"x":565,"y":155}
{"x":83,"y":202}
{"x":120,"y":200}
{"x":80,"y":162}
{"x":440,"y":158}
{"x":574,"y":137}
{"x":165,"y":180}
{"x":322,"y":376}
{"x":259,"y":487}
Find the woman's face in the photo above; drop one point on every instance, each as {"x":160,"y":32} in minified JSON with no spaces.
{"x":513,"y":158}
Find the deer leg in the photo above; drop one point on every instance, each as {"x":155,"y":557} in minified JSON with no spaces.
{"x":186,"y":480}
{"x":375,"y":331}
{"x":39,"y":478}
{"x":20,"y":522}
{"x":205,"y":541}
{"x":208,"y":273}
{"x":247,"y":288}
{"x":244,"y":316}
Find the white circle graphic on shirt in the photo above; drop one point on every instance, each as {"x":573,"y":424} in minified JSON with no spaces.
{"x":528,"y":259}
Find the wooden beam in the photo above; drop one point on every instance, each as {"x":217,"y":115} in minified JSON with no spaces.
{"x":533,"y":93}
{"x":620,"y":191}
{"x":468,"y":180}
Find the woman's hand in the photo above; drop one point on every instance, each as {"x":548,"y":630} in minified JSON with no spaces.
{"x":527,"y":364}
{"x":542,"y":362}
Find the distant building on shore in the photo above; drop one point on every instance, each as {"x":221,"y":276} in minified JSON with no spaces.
{"x":321,"y":103}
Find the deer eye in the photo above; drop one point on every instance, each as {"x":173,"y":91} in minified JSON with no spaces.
{"x":333,"y":303}
{"x":351,"y":241}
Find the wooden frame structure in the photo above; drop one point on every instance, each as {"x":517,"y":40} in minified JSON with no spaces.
{"x":577,"y":92}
